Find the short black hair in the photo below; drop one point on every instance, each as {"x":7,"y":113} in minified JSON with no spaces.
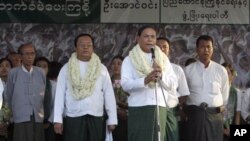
{"x":190,"y":61}
{"x":6,"y":59}
{"x":145,"y":27}
{"x":20,"y":49}
{"x":204,"y":37}
{"x":81,"y":35}
{"x":41,"y":59}
{"x":117,"y":57}
{"x":11,"y":53}
{"x":54,"y":70}
{"x":163,"y":38}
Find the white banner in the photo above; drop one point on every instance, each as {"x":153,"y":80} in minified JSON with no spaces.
{"x":175,"y":11}
{"x":130,"y":11}
{"x":205,"y":11}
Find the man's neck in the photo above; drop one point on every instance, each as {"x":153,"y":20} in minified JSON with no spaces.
{"x":116,"y":77}
{"x":28,"y":67}
{"x":205,"y":62}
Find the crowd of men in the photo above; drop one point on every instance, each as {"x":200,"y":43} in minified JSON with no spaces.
{"x":144,"y":97}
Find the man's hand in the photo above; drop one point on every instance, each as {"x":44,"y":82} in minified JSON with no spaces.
{"x":4,"y":129}
{"x":111,"y":128}
{"x":154,"y":75}
{"x":226,"y":132}
{"x":58,"y":127}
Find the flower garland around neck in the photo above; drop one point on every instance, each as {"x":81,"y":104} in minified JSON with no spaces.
{"x":144,"y":67}
{"x":83,"y":86}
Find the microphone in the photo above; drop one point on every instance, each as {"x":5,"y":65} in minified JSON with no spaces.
{"x":154,"y":63}
{"x":153,"y":52}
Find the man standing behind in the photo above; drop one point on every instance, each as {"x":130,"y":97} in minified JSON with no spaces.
{"x":209,"y":90}
{"x":139,"y":74}
{"x":83,"y":90}
{"x":15,"y":59}
{"x":25,"y":94}
{"x":177,"y":97}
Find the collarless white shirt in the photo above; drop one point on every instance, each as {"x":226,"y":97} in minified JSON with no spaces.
{"x":25,"y":70}
{"x":182,"y":88}
{"x":102,"y":97}
{"x":142,"y":95}
{"x":208,"y":85}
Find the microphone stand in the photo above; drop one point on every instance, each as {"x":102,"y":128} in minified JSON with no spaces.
{"x":157,"y":105}
{"x":158,"y":128}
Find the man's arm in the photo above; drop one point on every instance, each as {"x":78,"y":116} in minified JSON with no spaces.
{"x":130,"y":82}
{"x":245,"y":112}
{"x":225,"y":87}
{"x":59,"y":100}
{"x":109,"y":102}
{"x":169,"y":80}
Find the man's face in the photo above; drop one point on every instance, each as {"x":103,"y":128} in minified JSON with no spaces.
{"x":163,"y":45}
{"x":204,"y":50}
{"x":4,"y":68}
{"x":84,"y":48}
{"x":147,"y":39}
{"x":16,"y":59}
{"x":28,"y":55}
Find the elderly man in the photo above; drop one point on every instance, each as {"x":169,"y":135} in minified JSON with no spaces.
{"x":25,"y":90}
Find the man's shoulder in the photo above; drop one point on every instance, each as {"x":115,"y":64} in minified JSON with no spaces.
{"x":218,"y":67}
{"x":15,"y":70}
{"x":190,"y":66}
{"x":38,"y":69}
{"x":126,"y":60}
{"x":176,"y":66}
{"x":103,"y":67}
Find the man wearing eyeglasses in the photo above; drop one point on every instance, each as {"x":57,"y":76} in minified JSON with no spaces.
{"x":84,"y":90}
{"x":25,"y":90}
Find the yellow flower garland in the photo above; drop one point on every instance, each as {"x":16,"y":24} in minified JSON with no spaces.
{"x":83,"y":87}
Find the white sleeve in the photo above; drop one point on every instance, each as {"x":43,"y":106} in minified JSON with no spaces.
{"x":225,"y":86}
{"x":61,"y":88}
{"x":109,"y":100}
{"x":239,"y":98}
{"x":129,"y":81}
{"x":53,"y":89}
{"x":182,"y":89}
{"x":245,"y":111}
{"x":169,"y":80}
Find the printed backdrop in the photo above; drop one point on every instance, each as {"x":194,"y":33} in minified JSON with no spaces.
{"x":55,"y":41}
{"x":52,"y":25}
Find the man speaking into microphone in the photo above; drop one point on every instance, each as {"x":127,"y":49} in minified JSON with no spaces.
{"x":142,"y":70}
